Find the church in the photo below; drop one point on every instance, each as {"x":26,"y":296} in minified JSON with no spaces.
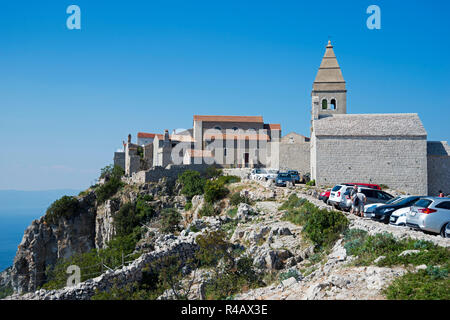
{"x":388,"y":149}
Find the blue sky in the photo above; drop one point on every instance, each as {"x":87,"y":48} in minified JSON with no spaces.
{"x":69,"y":97}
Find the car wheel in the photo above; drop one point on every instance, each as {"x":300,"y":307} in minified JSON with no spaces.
{"x":443,"y":230}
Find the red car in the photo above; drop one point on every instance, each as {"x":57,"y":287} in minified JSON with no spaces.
{"x":325,"y":195}
{"x":367,"y":185}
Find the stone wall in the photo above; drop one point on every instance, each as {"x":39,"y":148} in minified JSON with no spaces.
{"x":398,"y":162}
{"x":438,"y":156}
{"x":170,"y":172}
{"x":119,"y":159}
{"x":295,"y":156}
{"x":182,"y":247}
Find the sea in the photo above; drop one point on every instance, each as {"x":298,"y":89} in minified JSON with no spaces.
{"x":17,"y":210}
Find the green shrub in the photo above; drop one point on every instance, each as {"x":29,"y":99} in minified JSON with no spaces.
{"x":213,"y":172}
{"x":368,"y":248}
{"x":6,"y":291}
{"x":311,"y":183}
{"x":421,"y":285}
{"x":232,"y":212}
{"x":91,"y":263}
{"x":192,"y":183}
{"x":65,"y":207}
{"x":207,"y":210}
{"x":290,"y":274}
{"x":170,"y":219}
{"x":111,"y":186}
{"x":323,"y":227}
{"x":228,"y":179}
{"x":237,"y":199}
{"x":188,"y":206}
{"x":214,"y":191}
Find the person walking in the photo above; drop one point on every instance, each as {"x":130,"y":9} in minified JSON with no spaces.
{"x":353,"y":193}
{"x":361,"y":201}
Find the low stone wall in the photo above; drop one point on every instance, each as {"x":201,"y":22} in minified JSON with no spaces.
{"x":240,"y":172}
{"x":183,"y":247}
{"x":170,"y":172}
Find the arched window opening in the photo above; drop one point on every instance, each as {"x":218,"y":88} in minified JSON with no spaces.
{"x":218,"y":128}
{"x":235,"y":128}
{"x":324,"y":104}
{"x":333,"y":104}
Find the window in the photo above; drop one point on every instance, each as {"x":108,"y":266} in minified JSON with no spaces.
{"x":324,"y":104}
{"x":235,"y":128}
{"x":444,"y":205}
{"x":423,"y":203}
{"x":337,"y":188}
{"x":218,"y":128}
{"x":333,"y":104}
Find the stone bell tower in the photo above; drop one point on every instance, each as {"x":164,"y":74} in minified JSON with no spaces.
{"x":329,"y":86}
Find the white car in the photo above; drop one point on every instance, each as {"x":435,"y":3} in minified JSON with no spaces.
{"x":398,"y":217}
{"x":263,"y":174}
{"x":337,"y":194}
{"x":431,"y":214}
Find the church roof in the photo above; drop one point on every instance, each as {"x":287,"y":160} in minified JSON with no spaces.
{"x":255,"y":119}
{"x":329,"y":70}
{"x":390,"y":124}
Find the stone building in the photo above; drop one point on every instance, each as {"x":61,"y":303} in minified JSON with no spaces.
{"x":227,"y":141}
{"x":389,"y":149}
{"x":295,"y":153}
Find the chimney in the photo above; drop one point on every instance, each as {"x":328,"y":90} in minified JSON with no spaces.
{"x":166,"y":135}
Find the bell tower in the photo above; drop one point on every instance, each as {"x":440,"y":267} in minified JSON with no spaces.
{"x":329,"y":86}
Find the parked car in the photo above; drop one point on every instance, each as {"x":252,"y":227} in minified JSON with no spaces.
{"x":263,"y":174}
{"x":369,"y":208}
{"x":372,"y":196}
{"x":364,"y":185}
{"x":447,"y":231}
{"x":295,"y":175}
{"x":325,"y":195}
{"x":283,"y":178}
{"x":336,"y":195}
{"x":398,"y":217}
{"x":383,"y":213}
{"x":431,"y":214}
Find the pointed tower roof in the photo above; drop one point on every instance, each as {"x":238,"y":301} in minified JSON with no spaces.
{"x":329,"y":76}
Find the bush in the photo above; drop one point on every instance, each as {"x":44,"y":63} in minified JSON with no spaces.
{"x":65,"y":207}
{"x":6,"y":291}
{"x":368,"y":248}
{"x":237,"y":199}
{"x":212,"y":172}
{"x":214,"y":190}
{"x":192,"y":183}
{"x":188,"y":206}
{"x":228,"y":179}
{"x":323,"y":227}
{"x":170,"y":219}
{"x":421,"y":285}
{"x":91,"y":263}
{"x":112,"y":185}
{"x":207,"y":210}
{"x":311,"y":183}
{"x":290,"y":274}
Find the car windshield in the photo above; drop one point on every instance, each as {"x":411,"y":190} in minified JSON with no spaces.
{"x":336,"y":188}
{"x":272,"y":171}
{"x":406,"y":200}
{"x":423,"y":203}
{"x":394,"y":200}
{"x":283,"y":175}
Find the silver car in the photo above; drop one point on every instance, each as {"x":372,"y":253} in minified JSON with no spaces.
{"x":430,"y":214}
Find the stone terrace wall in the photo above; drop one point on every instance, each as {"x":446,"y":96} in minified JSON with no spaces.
{"x":438,"y":167}
{"x":182,"y":247}
{"x":170,"y":172}
{"x":398,"y":162}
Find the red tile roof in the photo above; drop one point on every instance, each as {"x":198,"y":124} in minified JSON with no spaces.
{"x":149,"y":135}
{"x":256,"y":119}
{"x":272,"y":126}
